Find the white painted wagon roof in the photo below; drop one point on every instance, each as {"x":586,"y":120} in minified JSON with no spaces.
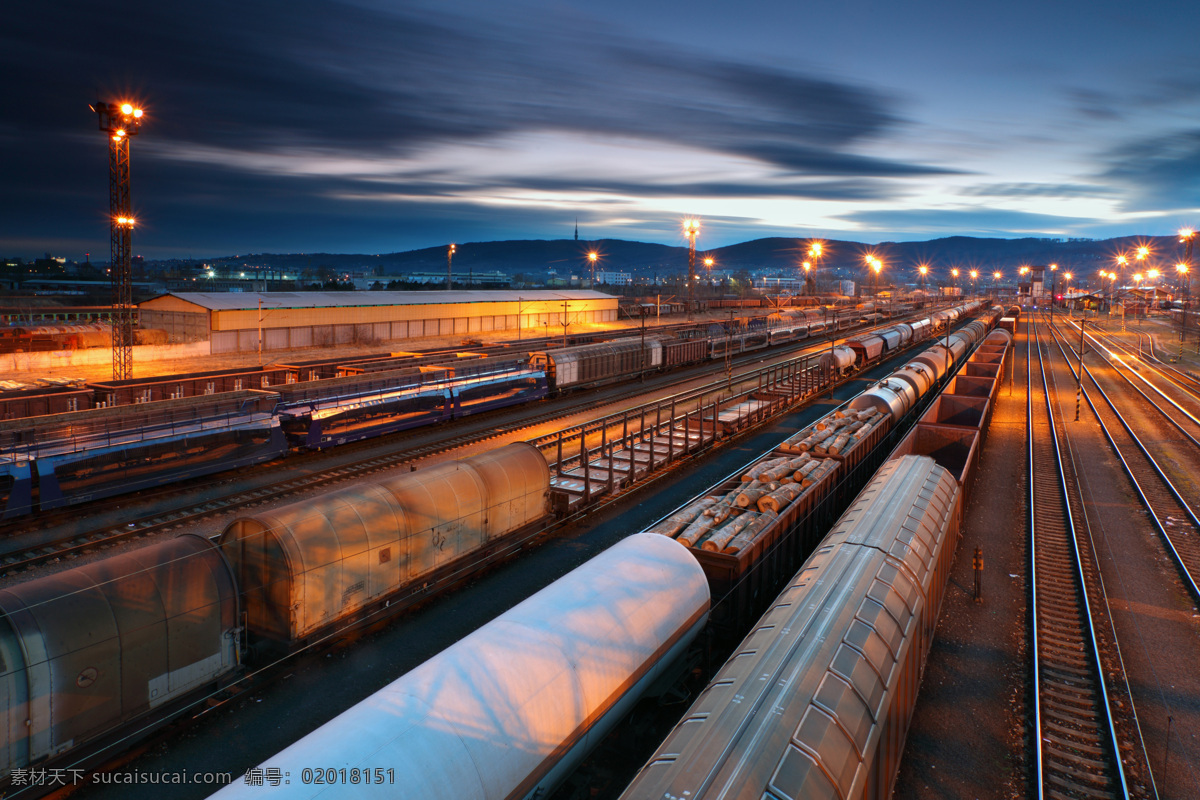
{"x":244,"y":301}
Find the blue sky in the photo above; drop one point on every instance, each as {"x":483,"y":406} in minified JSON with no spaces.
{"x":377,"y":126}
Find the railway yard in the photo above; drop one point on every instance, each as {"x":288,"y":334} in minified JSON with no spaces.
{"x":812,"y":556}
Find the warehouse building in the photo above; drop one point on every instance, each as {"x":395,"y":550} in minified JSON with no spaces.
{"x":232,"y":322}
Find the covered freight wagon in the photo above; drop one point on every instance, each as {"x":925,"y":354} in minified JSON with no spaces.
{"x":93,"y":648}
{"x":312,"y":564}
{"x":567,"y":367}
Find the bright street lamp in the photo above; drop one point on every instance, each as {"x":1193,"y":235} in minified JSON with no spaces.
{"x":815,"y":251}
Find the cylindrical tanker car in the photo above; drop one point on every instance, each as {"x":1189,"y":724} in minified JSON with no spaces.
{"x":313,"y":564}
{"x":129,"y":638}
{"x":112,"y":643}
{"x":509,"y":710}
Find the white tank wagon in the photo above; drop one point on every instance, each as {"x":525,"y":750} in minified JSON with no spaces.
{"x":314,"y":563}
{"x":999,"y":337}
{"x":510,"y":709}
{"x":891,"y":396}
{"x":123,"y":640}
{"x":839,"y":360}
{"x":919,"y":375}
{"x":817,"y":699}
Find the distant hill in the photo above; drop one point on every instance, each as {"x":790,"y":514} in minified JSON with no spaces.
{"x":777,"y":255}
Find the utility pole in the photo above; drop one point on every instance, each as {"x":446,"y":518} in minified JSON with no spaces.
{"x":120,"y":121}
{"x":260,"y":358}
{"x":449,"y":255}
{"x":565,"y":322}
{"x":1079,"y":385}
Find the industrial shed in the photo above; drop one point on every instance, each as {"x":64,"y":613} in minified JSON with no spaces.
{"x":232,"y":321}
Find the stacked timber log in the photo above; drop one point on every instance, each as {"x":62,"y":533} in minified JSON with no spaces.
{"x":834,"y":433}
{"x":731,"y":522}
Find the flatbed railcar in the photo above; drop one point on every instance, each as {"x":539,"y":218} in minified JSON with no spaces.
{"x":364,"y":408}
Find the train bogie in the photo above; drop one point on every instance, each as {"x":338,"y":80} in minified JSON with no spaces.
{"x":123,"y":639}
{"x":310,"y":565}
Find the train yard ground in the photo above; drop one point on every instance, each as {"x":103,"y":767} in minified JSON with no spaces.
{"x":973,"y":732}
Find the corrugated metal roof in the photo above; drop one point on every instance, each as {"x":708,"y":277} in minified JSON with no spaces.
{"x":241,"y":301}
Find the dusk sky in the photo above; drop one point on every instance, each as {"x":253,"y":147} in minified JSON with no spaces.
{"x":383,"y":126}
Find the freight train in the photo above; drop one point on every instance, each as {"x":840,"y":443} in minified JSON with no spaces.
{"x":838,"y":657}
{"x":317,"y":405}
{"x":126,"y":642}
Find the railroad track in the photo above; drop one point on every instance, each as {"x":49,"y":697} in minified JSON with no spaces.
{"x":1172,"y":515}
{"x":1176,"y":381}
{"x":17,"y":555}
{"x":1077,"y":751}
{"x":13,"y":559}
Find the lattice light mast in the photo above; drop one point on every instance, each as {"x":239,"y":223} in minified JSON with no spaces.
{"x":120,"y":121}
{"x":691,"y":227}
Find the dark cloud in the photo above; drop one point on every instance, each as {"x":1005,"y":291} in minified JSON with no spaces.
{"x":964,"y":221}
{"x":325,"y":77}
{"x":1065,"y":190}
{"x":1096,"y":105}
{"x":1161,"y":172}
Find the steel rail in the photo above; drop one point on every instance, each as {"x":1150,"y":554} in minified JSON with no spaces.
{"x":1078,"y":753}
{"x":1189,"y":579}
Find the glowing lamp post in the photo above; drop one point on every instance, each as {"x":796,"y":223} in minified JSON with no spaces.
{"x":924,"y":270}
{"x":954,"y":274}
{"x":974,"y":277}
{"x":815,"y":251}
{"x":1053,"y":288}
{"x":449,"y":256}
{"x":875,"y":265}
{"x":592,"y":256}
{"x":1185,"y":276}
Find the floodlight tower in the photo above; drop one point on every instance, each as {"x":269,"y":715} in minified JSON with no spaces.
{"x":691,"y":227}
{"x":120,"y":121}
